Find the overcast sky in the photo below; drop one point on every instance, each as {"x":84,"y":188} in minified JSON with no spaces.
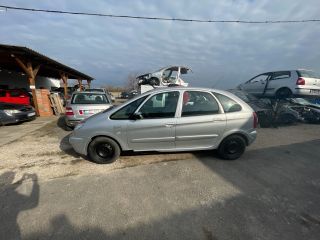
{"x":220,"y":55}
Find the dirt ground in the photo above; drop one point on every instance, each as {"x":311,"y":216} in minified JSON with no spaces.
{"x":47,"y":152}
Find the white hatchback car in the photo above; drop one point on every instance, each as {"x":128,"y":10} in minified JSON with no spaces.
{"x":283,"y":84}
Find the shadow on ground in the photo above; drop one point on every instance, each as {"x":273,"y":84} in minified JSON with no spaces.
{"x":278,"y":195}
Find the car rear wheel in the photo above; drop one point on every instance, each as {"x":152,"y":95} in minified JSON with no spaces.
{"x":103,"y":150}
{"x":283,"y":93}
{"x":232,"y":147}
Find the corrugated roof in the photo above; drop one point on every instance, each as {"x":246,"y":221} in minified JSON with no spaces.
{"x":49,"y":67}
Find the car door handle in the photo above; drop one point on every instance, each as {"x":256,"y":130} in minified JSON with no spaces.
{"x":169,"y":124}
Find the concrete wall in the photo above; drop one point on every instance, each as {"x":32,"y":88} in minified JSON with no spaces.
{"x":16,"y":80}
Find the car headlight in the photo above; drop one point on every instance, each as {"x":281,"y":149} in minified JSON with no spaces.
{"x":10,"y":112}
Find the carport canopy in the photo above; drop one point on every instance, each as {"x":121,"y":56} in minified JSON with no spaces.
{"x":25,"y":60}
{"x":49,"y":67}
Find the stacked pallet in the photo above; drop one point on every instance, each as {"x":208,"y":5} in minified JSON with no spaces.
{"x":56,"y":103}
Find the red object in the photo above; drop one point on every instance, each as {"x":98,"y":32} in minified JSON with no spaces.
{"x":301,"y":81}
{"x":186,"y":98}
{"x":255,"y":120}
{"x":69,"y":111}
{"x":16,"y":96}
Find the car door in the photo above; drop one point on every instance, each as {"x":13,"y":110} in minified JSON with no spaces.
{"x":201,"y":123}
{"x":278,"y":80}
{"x":257,"y":84}
{"x":154,"y":125}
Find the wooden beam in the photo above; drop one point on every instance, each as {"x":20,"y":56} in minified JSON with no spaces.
{"x":89,"y":83}
{"x":64,"y":78}
{"x":22,"y":65}
{"x":80,"y":84}
{"x":36,"y":70}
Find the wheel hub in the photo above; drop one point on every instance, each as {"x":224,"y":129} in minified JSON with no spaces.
{"x":105,"y":150}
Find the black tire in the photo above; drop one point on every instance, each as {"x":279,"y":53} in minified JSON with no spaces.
{"x":103,"y":150}
{"x":283,"y":93}
{"x":154,"y":81}
{"x":232,"y":147}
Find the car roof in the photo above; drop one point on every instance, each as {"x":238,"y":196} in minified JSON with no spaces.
{"x":178,"y":88}
{"x":84,"y":92}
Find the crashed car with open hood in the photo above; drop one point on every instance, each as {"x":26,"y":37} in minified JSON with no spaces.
{"x":165,"y":77}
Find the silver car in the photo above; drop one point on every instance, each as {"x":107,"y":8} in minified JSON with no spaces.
{"x":169,"y":120}
{"x":283,"y":84}
{"x":85,"y":104}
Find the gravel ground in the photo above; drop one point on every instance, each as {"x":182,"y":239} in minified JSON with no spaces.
{"x":47,"y":152}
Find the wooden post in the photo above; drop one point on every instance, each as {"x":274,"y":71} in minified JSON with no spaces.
{"x":31,"y":73}
{"x":89,"y":82}
{"x":64,"y":78}
{"x":80,"y":84}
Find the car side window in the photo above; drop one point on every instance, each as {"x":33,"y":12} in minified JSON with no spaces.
{"x":126,"y":112}
{"x":162,"y":105}
{"x":281,"y":75}
{"x":197,"y":103}
{"x":261,"y":77}
{"x":228,"y":104}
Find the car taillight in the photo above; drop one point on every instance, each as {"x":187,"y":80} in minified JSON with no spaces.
{"x":301,"y":81}
{"x":80,"y":112}
{"x":69,"y":111}
{"x":255,"y":120}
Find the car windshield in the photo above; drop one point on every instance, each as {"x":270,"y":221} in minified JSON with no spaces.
{"x":89,"y":98}
{"x":309,"y":74}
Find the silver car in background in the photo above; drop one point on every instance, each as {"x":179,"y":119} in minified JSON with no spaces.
{"x":283,"y":84}
{"x":169,"y":120}
{"x":85,"y":104}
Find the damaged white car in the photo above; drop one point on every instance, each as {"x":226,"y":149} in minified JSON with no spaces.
{"x":165,"y":77}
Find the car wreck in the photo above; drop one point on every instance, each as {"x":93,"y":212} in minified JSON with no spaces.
{"x":165,"y":77}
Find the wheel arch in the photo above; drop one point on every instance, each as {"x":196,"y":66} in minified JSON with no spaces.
{"x":244,"y":136}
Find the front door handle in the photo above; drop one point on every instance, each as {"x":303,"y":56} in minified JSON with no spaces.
{"x":169,"y":124}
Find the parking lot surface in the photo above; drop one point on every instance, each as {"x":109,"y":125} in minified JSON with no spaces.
{"x":272,"y":192}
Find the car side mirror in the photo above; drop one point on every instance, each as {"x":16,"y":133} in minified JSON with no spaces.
{"x":137,"y":116}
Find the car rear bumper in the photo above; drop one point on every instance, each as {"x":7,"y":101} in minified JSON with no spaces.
{"x":252,"y":136}
{"x":72,"y":123}
{"x":307,"y":91}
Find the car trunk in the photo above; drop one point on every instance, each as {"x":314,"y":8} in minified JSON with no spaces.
{"x":87,"y":110}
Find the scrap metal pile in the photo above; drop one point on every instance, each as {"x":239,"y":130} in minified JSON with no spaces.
{"x":275,"y":111}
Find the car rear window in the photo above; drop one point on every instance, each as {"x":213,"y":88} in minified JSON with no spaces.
{"x":228,"y":104}
{"x":308,"y":74}
{"x":89,"y":98}
{"x":281,"y":75}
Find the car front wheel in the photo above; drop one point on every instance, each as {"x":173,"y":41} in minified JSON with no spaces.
{"x":232,"y":147}
{"x":103,"y":150}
